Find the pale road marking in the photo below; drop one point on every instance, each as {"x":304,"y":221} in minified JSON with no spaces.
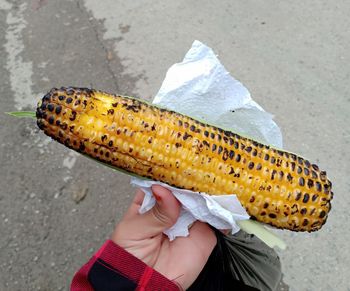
{"x":20,"y":71}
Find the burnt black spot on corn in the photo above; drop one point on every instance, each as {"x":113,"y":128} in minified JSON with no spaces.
{"x":183,"y":152}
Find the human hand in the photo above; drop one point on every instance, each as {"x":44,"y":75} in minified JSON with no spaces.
{"x":180,"y":260}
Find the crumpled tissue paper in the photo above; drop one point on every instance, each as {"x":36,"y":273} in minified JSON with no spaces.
{"x":201,"y":88}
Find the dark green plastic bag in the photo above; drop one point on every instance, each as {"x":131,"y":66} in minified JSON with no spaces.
{"x":240,"y":262}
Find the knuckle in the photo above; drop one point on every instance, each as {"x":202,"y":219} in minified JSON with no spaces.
{"x":162,"y":217}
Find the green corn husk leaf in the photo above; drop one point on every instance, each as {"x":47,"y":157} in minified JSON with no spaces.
{"x":264,"y":234}
{"x":21,"y":114}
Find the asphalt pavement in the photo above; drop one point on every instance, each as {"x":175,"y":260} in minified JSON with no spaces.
{"x":57,"y":208}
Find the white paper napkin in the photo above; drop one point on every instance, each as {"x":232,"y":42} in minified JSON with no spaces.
{"x":222,"y":212}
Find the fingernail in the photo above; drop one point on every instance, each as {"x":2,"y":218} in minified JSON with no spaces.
{"x":157,"y":197}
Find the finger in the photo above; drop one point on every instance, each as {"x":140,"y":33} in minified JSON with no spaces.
{"x":135,"y":204}
{"x":140,"y":195}
{"x":162,"y":216}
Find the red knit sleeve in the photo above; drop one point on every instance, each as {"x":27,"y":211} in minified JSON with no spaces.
{"x":113,"y":268}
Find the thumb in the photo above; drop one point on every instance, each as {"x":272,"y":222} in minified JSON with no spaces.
{"x":163,"y":215}
{"x":165,"y":212}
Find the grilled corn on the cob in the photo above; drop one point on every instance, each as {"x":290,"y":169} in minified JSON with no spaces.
{"x":276,"y":187}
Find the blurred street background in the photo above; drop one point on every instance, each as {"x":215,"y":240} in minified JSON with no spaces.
{"x":57,"y":208}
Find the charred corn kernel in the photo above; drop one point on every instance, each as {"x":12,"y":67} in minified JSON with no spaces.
{"x":276,"y":187}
